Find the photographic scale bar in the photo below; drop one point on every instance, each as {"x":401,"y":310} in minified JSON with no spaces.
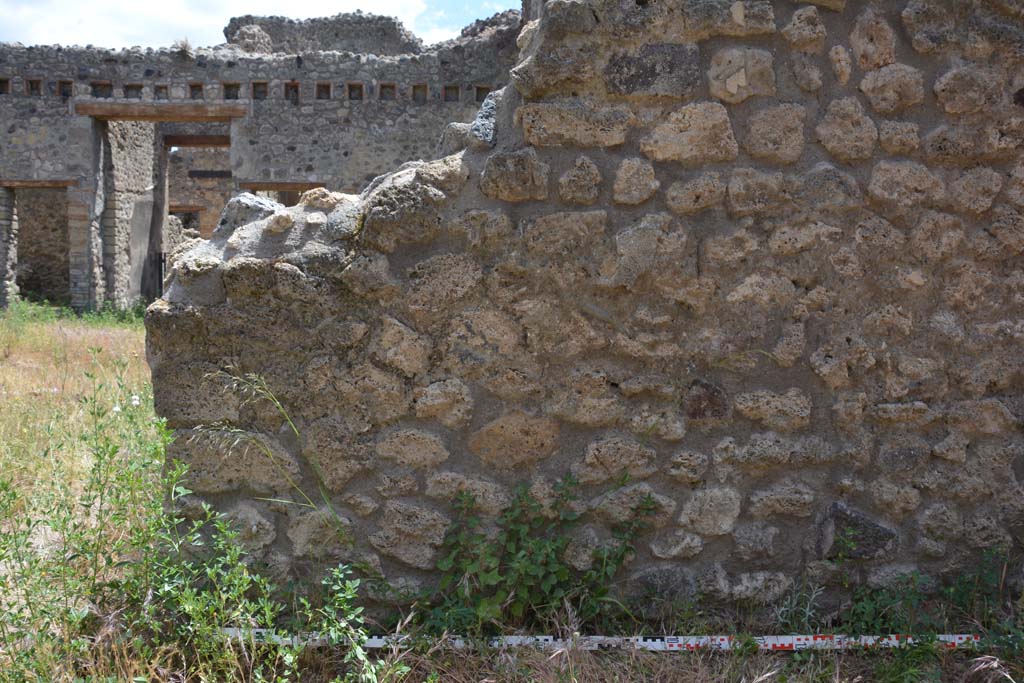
{"x":650,"y":643}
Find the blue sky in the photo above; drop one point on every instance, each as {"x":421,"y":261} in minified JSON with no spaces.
{"x":158,"y":23}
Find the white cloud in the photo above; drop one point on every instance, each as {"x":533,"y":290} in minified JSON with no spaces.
{"x":158,"y":23}
{"x":436,"y":34}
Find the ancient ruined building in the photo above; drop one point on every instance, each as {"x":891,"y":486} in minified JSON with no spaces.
{"x":760,"y":261}
{"x":99,"y":147}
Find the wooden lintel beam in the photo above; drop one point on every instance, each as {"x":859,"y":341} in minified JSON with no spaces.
{"x":185,"y":208}
{"x":161,"y":111}
{"x":260,"y":186}
{"x":26,"y":184}
{"x":197,"y":141}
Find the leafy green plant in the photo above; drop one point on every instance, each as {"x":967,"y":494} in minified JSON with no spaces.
{"x":902,"y":608}
{"x":875,"y":612}
{"x":983,"y":598}
{"x":797,"y":612}
{"x":64,"y":546}
{"x":978,"y":596}
{"x":198,"y":592}
{"x":102,"y":578}
{"x":517,"y":576}
{"x":201,"y":584}
{"x":844,"y":548}
{"x":340,"y":622}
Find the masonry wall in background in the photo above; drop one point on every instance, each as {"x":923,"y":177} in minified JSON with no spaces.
{"x":43,"y":258}
{"x":318,"y":115}
{"x":329,"y":102}
{"x":756,"y":262}
{"x":357,"y":33}
{"x":200,"y":183}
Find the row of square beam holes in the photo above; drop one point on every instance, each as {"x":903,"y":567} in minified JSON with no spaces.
{"x":260,"y":91}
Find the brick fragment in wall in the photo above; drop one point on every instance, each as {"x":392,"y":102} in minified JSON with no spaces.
{"x":785,"y":327}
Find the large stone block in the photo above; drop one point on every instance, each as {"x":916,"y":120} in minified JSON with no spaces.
{"x":700,"y":193}
{"x":515,"y":176}
{"x":614,"y":458}
{"x":580,"y":123}
{"x":712,"y":511}
{"x":412,"y":448}
{"x":515,"y":439}
{"x":785,"y":412}
{"x":873,"y":41}
{"x":489,"y":497}
{"x":558,"y":233}
{"x":846,"y":131}
{"x":904,"y":184}
{"x":693,"y":135}
{"x":737,"y":74}
{"x":848,"y":534}
{"x":410,"y":534}
{"x":657,"y":70}
{"x":893,"y":88}
{"x":635,"y":182}
{"x":637,"y":502}
{"x":776,"y":133}
{"x":805,"y":31}
{"x":333,"y":449}
{"x":221,"y":461}
{"x":555,"y":70}
{"x":709,"y":18}
{"x":581,"y":184}
{"x":402,"y":211}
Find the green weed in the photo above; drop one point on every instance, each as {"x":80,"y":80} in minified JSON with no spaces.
{"x":797,"y":613}
{"x":517,"y":576}
{"x":102,"y":579}
{"x":22,"y":311}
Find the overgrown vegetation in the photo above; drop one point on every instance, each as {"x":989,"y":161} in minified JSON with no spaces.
{"x":183,"y":48}
{"x":103,"y":579}
{"x":518,"y":577}
{"x":22,"y":312}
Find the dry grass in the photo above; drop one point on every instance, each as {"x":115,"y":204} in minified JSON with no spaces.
{"x":524,"y":665}
{"x":43,"y":364}
{"x":578,"y":666}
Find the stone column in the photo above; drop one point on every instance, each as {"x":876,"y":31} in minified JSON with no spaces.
{"x":126,"y":219}
{"x":85,"y":248}
{"x":85,"y":209}
{"x":8,"y":245}
{"x":152,"y":275}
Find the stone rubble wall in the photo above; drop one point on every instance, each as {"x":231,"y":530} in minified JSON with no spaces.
{"x":758,"y":262}
{"x":41,"y":141}
{"x":314,"y":116}
{"x":43,"y":265}
{"x":189,"y":188}
{"x":337,"y":142}
{"x":355,"y":32}
{"x":174,"y":233}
